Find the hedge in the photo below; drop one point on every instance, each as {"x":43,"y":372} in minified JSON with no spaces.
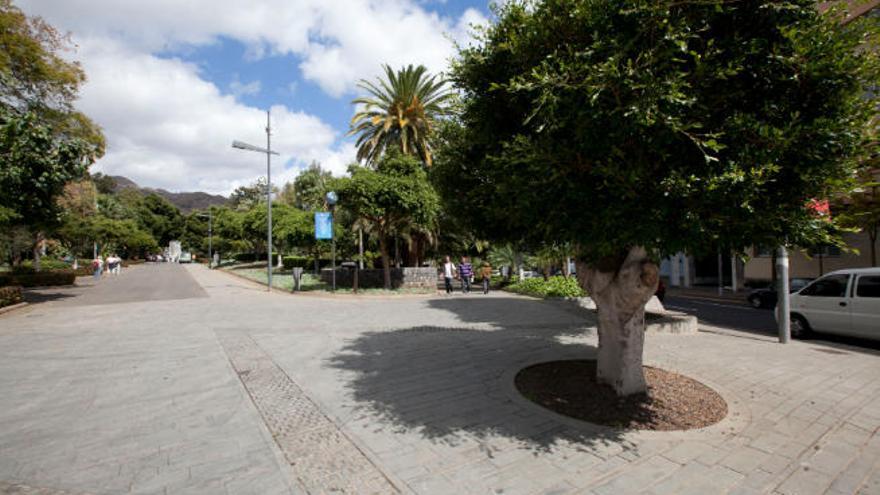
{"x":10,"y":295}
{"x":37,"y":279}
{"x":554,"y":287}
{"x":297,"y":261}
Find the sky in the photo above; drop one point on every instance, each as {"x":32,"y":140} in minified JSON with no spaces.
{"x":174,"y":82}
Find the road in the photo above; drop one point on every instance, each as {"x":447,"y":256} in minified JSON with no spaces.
{"x":748,"y":319}
{"x":147,"y":282}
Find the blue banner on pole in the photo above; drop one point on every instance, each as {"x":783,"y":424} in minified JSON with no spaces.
{"x":323,"y":225}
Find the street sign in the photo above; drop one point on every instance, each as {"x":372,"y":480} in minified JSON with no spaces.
{"x":323,"y":225}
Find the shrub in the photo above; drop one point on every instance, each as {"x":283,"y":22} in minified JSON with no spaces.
{"x":10,"y":295}
{"x":36,"y":279}
{"x":553,"y":287}
{"x":290,"y":262}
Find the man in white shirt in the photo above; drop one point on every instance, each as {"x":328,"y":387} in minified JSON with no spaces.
{"x":448,"y":273}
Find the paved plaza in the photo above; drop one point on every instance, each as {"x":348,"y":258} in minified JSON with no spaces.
{"x":175,"y":379}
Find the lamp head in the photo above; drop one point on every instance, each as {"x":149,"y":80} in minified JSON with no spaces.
{"x":331,"y":198}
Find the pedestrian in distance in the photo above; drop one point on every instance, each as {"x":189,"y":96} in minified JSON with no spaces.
{"x":97,"y":267}
{"x":448,"y":273}
{"x":466,"y":273}
{"x":486,"y":274}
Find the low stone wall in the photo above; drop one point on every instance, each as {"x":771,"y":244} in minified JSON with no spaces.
{"x":657,"y":318}
{"x":401,"y":278}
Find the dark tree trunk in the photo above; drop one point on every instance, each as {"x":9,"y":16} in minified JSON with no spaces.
{"x":386,"y":260}
{"x":872,"y":236}
{"x":620,"y":291}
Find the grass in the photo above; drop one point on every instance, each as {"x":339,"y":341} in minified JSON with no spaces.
{"x":310,"y":283}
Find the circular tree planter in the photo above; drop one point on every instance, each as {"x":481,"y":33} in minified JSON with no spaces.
{"x":673,"y":401}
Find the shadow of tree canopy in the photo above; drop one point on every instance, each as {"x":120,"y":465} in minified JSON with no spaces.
{"x":452,"y":382}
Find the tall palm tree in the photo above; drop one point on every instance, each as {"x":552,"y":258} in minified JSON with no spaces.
{"x":399,"y":111}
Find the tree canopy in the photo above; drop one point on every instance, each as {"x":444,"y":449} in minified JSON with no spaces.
{"x":400,"y":112}
{"x":668,"y":125}
{"x":397,"y":192}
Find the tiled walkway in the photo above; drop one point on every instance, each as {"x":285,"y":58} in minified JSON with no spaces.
{"x":209,"y":395}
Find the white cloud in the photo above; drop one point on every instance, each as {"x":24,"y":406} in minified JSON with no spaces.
{"x":168,"y":127}
{"x":340,"y":41}
{"x":239,"y":88}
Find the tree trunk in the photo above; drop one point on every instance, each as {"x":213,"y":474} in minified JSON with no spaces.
{"x":38,"y":249}
{"x":620,"y":291}
{"x":386,"y":260}
{"x":872,"y":236}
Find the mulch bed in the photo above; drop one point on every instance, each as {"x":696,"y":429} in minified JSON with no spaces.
{"x":673,"y":401}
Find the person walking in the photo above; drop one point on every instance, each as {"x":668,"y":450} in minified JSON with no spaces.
{"x":448,"y":273}
{"x":486,"y":274}
{"x":465,"y":272}
{"x":97,"y":267}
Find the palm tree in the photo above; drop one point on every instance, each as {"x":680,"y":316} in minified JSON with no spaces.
{"x":399,"y":112}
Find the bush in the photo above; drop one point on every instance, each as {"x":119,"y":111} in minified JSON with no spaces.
{"x":290,"y":262}
{"x":249,"y":257}
{"x":9,"y":296}
{"x":554,"y":287}
{"x":36,"y":279}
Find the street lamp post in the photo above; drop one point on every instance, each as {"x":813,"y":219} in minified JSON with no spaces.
{"x":331,"y":203}
{"x":268,"y":151}
{"x":210,"y":217}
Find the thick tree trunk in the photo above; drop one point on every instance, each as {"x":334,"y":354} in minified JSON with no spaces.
{"x":386,"y":260}
{"x":620,"y":291}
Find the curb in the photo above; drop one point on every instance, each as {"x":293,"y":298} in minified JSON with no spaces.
{"x":13,"y":307}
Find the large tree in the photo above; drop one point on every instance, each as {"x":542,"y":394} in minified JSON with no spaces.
{"x":396,"y":193}
{"x":635,"y":129}
{"x":400,"y":112}
{"x":45,"y":142}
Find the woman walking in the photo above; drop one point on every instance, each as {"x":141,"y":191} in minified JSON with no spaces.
{"x":486,"y":273}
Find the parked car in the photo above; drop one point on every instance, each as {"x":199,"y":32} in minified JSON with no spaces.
{"x":186,"y":257}
{"x":844,"y":302}
{"x":766,"y":297}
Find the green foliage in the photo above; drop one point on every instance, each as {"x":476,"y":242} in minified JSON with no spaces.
{"x":552,"y":287}
{"x":310,"y":187}
{"x":400,"y":113}
{"x":10,"y":296}
{"x":34,"y":168}
{"x":290,"y":262}
{"x":248,"y":197}
{"x":35,"y":79}
{"x":38,"y":279}
{"x":391,"y":197}
{"x":673,"y":126}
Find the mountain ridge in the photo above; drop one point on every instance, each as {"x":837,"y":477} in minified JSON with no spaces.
{"x":184,"y":201}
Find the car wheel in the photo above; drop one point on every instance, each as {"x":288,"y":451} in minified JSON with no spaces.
{"x":800,"y":329}
{"x":756,"y":302}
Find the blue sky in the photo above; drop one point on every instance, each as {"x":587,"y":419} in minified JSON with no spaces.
{"x":173,"y":83}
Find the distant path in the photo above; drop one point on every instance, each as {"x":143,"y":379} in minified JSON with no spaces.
{"x":148,"y":282}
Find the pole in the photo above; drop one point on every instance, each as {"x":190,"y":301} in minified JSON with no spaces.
{"x":720,"y":274}
{"x":332,"y":249}
{"x":210,"y":240}
{"x":269,"y":200}
{"x":733,"y":272}
{"x":784,"y":297}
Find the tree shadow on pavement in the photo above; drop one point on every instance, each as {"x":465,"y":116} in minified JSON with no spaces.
{"x":503,"y":311}
{"x":454,"y":383}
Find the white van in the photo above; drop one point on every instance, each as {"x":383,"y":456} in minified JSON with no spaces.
{"x":845,"y":302}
